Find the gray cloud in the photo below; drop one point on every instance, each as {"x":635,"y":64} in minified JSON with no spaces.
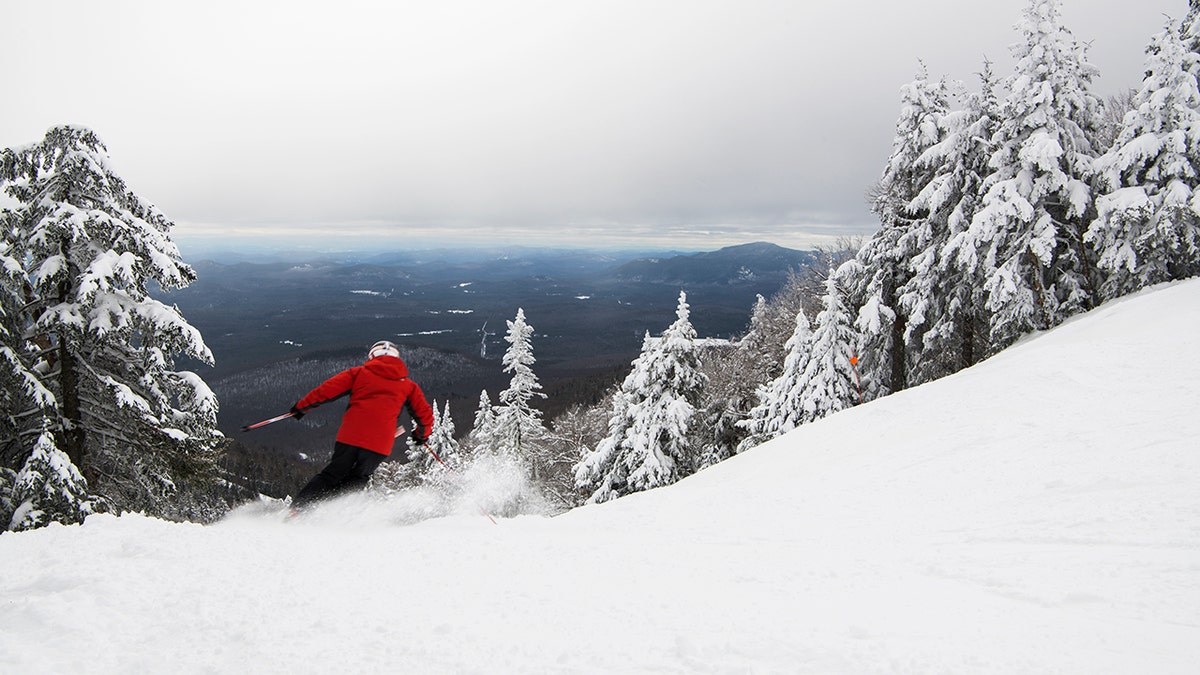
{"x":512,"y":119}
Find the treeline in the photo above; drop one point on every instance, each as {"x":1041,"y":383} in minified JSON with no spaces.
{"x":1002,"y":211}
{"x":680,"y":407}
{"x":1029,"y":201}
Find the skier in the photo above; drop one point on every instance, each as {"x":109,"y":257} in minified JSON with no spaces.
{"x":379,"y":389}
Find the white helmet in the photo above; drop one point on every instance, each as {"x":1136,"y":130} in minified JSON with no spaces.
{"x":383,"y":348}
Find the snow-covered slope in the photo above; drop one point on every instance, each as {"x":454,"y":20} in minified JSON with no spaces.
{"x":1037,"y":513}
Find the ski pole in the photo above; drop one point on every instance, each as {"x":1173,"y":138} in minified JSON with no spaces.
{"x":264,"y":423}
{"x":400,"y":430}
{"x":445,"y":466}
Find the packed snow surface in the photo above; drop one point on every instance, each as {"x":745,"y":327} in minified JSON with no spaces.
{"x":1037,"y":513}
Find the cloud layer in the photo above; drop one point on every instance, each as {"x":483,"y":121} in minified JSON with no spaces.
{"x":513,"y":119}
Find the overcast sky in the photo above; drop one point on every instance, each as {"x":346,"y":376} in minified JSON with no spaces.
{"x":627,"y":123}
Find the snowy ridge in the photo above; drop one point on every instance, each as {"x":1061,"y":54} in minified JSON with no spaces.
{"x":1039,"y":512}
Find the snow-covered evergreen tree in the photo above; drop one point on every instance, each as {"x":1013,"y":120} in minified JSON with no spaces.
{"x":485,"y":422}
{"x":944,"y":299}
{"x":440,"y":445}
{"x":829,"y":383}
{"x":1190,"y":29}
{"x":761,"y":345}
{"x":726,"y":399}
{"x":48,"y":489}
{"x":442,"y":438}
{"x":8,"y":481}
{"x":89,"y":250}
{"x":441,"y":441}
{"x":883,"y":267}
{"x":518,"y":425}
{"x":779,"y":409}
{"x":1147,"y":228}
{"x":647,"y":443}
{"x":24,"y":399}
{"x":734,"y":372}
{"x":602,"y":471}
{"x":393,"y":477}
{"x":1028,"y":232}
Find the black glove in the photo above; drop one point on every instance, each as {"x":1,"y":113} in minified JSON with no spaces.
{"x":419,"y":439}
{"x":296,"y":413}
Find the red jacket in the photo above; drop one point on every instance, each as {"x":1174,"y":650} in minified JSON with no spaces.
{"x":379,"y":390}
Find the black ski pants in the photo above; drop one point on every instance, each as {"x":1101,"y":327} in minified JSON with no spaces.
{"x":350,"y":469}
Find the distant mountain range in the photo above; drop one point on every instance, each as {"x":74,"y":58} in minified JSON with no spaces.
{"x":747,"y":263}
{"x":589,"y":310}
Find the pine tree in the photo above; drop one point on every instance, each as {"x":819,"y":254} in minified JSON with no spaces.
{"x":602,"y":471}
{"x":8,"y":481}
{"x":1028,"y":233}
{"x":442,"y":441}
{"x":734,"y":374}
{"x":728,"y":396}
{"x":518,"y":425}
{"x":26,"y":406}
{"x":484,"y":427}
{"x":647,"y":443}
{"x":763,"y":346}
{"x":141,"y":434}
{"x":441,"y":445}
{"x":779,"y":409}
{"x":944,"y":300}
{"x":393,"y":477}
{"x":828,"y":383}
{"x":48,"y":489}
{"x":23,"y":397}
{"x":883,"y":267}
{"x":1148,"y":225}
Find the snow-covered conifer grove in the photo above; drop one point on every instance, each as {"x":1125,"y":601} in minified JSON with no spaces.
{"x":949,"y":447}
{"x":1004,"y":209}
{"x":1010,"y":214}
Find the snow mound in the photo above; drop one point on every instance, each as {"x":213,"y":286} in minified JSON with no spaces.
{"x":1037,"y":513}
